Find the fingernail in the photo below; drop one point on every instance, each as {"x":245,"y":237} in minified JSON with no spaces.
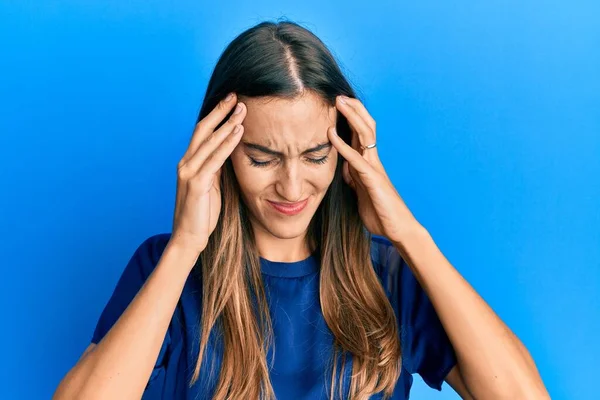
{"x":343,"y":99}
{"x":334,"y":130}
{"x":238,"y":109}
{"x":229,"y":97}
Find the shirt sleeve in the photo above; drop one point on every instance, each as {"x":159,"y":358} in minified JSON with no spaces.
{"x":426,"y":348}
{"x":137,"y":270}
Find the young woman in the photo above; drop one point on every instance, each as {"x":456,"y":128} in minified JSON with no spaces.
{"x":294,"y":270}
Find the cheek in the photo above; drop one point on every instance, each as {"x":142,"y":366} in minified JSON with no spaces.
{"x":252,"y":182}
{"x":323,"y":177}
{"x":243,"y":173}
{"x":332,"y":165}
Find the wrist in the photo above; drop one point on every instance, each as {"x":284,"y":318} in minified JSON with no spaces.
{"x":413,"y":232}
{"x":187,"y":242}
{"x":183,"y":252}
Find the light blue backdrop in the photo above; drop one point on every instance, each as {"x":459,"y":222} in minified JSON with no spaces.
{"x":488,"y":123}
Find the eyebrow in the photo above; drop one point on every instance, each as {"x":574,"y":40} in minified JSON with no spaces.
{"x":267,"y":150}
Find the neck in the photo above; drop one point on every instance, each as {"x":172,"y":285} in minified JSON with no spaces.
{"x":280,"y":249}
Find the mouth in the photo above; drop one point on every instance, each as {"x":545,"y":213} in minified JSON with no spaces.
{"x":289,"y":208}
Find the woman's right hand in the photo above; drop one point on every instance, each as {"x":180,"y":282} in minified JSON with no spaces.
{"x":198,"y":199}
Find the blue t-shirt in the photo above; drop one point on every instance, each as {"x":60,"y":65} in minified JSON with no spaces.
{"x":303,"y":341}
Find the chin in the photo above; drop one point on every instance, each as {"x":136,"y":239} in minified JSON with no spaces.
{"x":286,"y":230}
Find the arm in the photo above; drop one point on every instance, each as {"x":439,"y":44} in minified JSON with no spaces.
{"x":120,"y":365}
{"x":492,"y":362}
{"x":455,"y":380}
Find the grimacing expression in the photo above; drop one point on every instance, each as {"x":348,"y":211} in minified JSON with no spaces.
{"x":285,"y":156}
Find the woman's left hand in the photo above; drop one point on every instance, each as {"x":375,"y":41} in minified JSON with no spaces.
{"x":381,"y":208}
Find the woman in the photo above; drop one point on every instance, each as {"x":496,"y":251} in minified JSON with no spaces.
{"x":294,"y":269}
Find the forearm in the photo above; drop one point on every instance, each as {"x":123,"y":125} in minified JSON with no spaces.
{"x":493,"y":361}
{"x":121,"y":364}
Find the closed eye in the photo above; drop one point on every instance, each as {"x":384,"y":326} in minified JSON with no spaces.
{"x":256,"y":163}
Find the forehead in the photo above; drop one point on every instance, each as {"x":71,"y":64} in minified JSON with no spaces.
{"x":288,"y":125}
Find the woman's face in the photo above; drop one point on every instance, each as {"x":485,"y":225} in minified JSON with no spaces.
{"x":284,"y":156}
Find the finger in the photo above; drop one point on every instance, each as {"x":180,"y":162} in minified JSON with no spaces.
{"x":360,"y":108}
{"x":214,"y":140}
{"x":355,"y":160}
{"x":218,"y":157}
{"x":366,"y":135}
{"x":208,"y":124}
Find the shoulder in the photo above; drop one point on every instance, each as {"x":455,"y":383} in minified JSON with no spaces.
{"x":149,"y":252}
{"x":139,"y":267}
{"x":389,"y":266}
{"x":426,"y":347}
{"x":398,"y":280}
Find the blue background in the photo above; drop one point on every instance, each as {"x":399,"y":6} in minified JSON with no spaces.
{"x":488,"y":123}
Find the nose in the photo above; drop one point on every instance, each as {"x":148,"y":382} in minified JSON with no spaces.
{"x":290,"y":182}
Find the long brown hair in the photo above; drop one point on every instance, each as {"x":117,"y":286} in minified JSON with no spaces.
{"x":285,"y":60}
